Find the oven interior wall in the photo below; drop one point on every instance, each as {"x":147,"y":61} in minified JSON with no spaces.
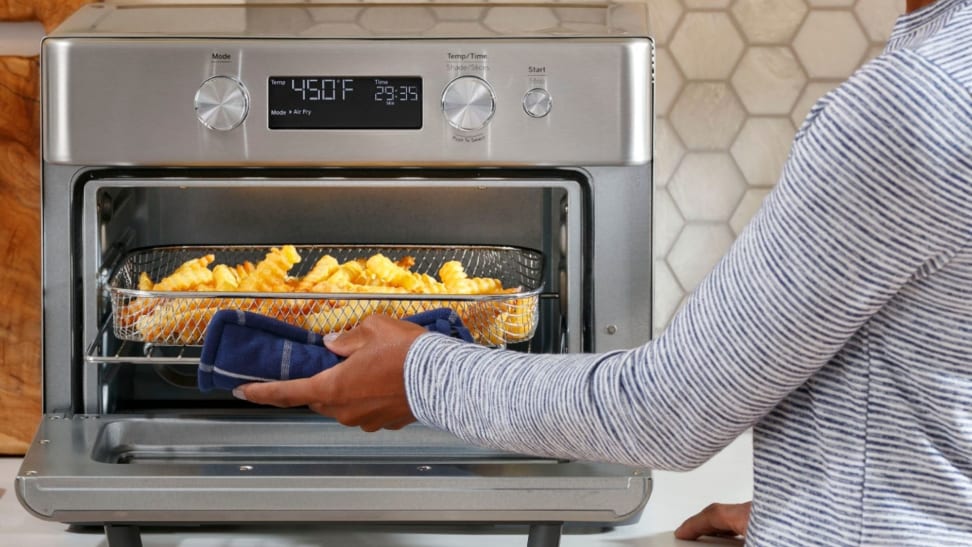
{"x":127,"y":216}
{"x":273,"y":215}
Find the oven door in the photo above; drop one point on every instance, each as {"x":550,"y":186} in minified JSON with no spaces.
{"x":138,"y":447}
{"x":208,"y":469}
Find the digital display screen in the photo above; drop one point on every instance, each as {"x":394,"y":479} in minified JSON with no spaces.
{"x":344,"y":102}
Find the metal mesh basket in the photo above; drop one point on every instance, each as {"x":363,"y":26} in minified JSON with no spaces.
{"x":180,"y":317}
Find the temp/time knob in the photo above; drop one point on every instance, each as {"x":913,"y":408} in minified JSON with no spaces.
{"x":468,"y":103}
{"x":221,"y":103}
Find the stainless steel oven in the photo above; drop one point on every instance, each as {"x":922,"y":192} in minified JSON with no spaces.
{"x":410,"y":128}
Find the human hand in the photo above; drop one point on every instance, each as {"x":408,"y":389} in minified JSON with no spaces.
{"x":718,"y":519}
{"x":366,"y":390}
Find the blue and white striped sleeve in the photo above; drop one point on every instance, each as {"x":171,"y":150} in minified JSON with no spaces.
{"x":876,"y":190}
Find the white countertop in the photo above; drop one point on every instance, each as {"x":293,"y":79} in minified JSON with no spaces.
{"x":676,"y":496}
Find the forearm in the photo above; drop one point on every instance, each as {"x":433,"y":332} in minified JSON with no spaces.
{"x":552,"y":405}
{"x":607,"y":407}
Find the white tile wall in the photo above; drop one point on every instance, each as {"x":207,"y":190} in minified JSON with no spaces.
{"x":697,"y":249}
{"x":768,"y":80}
{"x":830,"y":44}
{"x":747,"y":208}
{"x":707,"y":115}
{"x":691,"y":187}
{"x":761,"y":148}
{"x":723,"y":132}
{"x":769,"y":21}
{"x":713,"y":33}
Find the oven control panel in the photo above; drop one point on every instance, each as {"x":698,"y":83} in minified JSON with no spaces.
{"x":350,"y":102}
{"x":468,"y":103}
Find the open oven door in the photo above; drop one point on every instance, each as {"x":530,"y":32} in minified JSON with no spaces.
{"x":126,"y":471}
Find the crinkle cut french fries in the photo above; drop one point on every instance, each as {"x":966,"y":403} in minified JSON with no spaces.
{"x":183,"y":320}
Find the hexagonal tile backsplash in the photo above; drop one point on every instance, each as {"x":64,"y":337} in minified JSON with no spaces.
{"x":734,"y":79}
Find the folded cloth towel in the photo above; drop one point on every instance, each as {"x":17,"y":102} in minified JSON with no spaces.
{"x":242,"y":347}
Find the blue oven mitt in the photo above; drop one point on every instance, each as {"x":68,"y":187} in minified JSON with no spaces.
{"x":242,"y":347}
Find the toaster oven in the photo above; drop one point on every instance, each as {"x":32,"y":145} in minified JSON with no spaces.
{"x":516,"y":139}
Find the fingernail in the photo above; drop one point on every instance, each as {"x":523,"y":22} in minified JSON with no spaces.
{"x":331,"y":336}
{"x":238,"y":393}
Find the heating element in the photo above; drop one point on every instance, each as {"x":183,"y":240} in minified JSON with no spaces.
{"x":515,"y":139}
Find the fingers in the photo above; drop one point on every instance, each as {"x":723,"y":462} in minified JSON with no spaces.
{"x":366,"y":390}
{"x":374,"y":329}
{"x":348,"y":342}
{"x":381,"y":422}
{"x":285,"y":394}
{"x":400,"y":424}
{"x":719,"y":519}
{"x":356,"y":338}
{"x":371,"y":427}
{"x":368,"y":415}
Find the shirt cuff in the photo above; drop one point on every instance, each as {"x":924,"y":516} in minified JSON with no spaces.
{"x":425,"y":376}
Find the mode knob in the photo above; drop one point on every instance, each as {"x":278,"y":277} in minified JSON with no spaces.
{"x":222,"y":103}
{"x":468,"y":103}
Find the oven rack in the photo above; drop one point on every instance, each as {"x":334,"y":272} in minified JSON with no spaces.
{"x":136,"y":353}
{"x":504,"y":313}
{"x":106,"y":348}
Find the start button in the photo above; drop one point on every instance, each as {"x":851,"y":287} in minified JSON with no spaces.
{"x":536,"y":102}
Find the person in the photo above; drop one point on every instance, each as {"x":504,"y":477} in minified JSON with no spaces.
{"x":837,"y":327}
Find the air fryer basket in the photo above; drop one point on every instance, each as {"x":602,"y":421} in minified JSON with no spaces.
{"x":180,"y":317}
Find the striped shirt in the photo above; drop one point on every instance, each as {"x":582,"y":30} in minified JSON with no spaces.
{"x":838,"y":326}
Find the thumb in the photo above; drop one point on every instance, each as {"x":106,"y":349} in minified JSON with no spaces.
{"x":348,"y":342}
{"x":372,"y":330}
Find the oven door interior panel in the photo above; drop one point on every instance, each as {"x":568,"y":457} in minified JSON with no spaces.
{"x":146,"y":468}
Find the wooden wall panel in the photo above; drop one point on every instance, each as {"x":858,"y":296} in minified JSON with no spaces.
{"x":49,"y":12}
{"x":20,"y":383}
{"x":19,"y":254}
